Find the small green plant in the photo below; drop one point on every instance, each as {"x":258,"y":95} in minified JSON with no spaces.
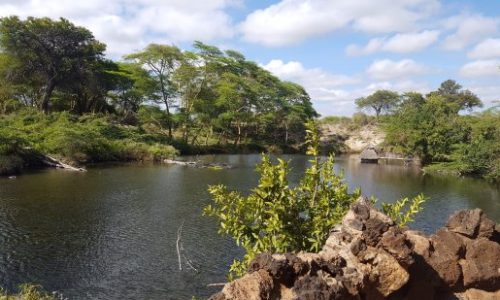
{"x":401,"y":216}
{"x":276,"y":217}
{"x":28,"y":292}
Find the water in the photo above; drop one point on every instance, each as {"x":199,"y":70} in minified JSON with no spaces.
{"x":110,"y":233}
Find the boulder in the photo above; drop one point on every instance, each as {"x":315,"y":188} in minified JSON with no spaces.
{"x":254,"y":286}
{"x":481,"y":266}
{"x":465,"y":222}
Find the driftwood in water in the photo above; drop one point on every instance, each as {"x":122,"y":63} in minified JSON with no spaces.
{"x":54,"y":163}
{"x":198,"y":164}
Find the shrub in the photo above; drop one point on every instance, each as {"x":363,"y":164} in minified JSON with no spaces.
{"x":276,"y":217}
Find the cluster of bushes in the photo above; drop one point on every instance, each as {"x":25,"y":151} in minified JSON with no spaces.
{"x":75,"y":139}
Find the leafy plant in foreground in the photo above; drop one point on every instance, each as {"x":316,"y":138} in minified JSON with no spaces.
{"x":276,"y":217}
{"x":396,"y":211}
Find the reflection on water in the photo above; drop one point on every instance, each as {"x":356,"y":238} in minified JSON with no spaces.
{"x":110,"y":233}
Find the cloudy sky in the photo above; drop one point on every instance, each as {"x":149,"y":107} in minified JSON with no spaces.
{"x":338,"y":49}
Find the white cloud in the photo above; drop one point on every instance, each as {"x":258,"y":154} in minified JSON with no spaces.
{"x":321,"y":85}
{"x":399,"y":43}
{"x":469,"y":29}
{"x":479,"y":68}
{"x":292,"y":21}
{"x":388,"y":69}
{"x":489,"y":48}
{"x":128,"y":25}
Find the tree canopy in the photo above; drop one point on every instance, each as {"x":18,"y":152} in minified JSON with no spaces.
{"x":380,"y":101}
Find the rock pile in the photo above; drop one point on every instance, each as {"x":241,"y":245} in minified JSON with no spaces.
{"x":369,"y":257}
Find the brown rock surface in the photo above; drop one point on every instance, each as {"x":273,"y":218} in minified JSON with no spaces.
{"x":369,"y":257}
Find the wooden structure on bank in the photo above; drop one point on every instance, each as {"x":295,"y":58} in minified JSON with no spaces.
{"x":369,"y":155}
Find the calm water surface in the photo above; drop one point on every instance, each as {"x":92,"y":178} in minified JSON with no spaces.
{"x":110,"y":233}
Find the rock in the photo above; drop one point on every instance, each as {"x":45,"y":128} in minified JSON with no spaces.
{"x":446,"y":242}
{"x":254,"y":286}
{"x":420,"y":244}
{"x":362,"y":211}
{"x":394,"y":242}
{"x":465,"y":222}
{"x":387,"y":275}
{"x":486,"y":227}
{"x":368,"y":257}
{"x":374,"y":228}
{"x":475,"y":294}
{"x":448,"y":249}
{"x":481,"y":267}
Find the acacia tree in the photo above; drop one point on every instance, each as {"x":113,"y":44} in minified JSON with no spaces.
{"x":380,"y":101}
{"x":46,"y":53}
{"x":454,"y":93}
{"x":161,"y":61}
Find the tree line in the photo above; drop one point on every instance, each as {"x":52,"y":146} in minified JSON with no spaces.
{"x":440,"y":128}
{"x":205,"y":95}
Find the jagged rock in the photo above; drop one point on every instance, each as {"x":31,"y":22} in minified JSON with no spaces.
{"x":368,"y":257}
{"x":465,"y":222}
{"x":254,"y":286}
{"x":475,"y":294}
{"x":395,"y":242}
{"x":486,"y":227}
{"x":386,"y":275}
{"x":481,"y":266}
{"x":420,"y":244}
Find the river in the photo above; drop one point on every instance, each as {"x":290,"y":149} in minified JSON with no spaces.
{"x":110,"y":233}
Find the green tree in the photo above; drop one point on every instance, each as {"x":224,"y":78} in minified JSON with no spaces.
{"x":453,"y":92}
{"x":380,"y":101}
{"x":46,"y":53}
{"x":161,"y":61}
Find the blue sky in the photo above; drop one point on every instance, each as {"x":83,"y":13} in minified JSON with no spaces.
{"x":338,"y":50}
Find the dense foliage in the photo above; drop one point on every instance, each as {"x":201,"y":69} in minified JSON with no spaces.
{"x":440,"y":129}
{"x":189,"y":99}
{"x":278,"y":217}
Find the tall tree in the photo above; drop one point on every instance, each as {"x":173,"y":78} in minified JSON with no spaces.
{"x":48,"y":52}
{"x":380,"y":101}
{"x":161,"y":61}
{"x":453,"y":92}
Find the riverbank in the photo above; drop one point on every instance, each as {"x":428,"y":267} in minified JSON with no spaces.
{"x":27,"y":138}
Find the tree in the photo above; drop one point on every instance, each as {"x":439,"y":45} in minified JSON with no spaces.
{"x":46,"y":53}
{"x":161,"y":61}
{"x":380,"y":101}
{"x":453,"y":92}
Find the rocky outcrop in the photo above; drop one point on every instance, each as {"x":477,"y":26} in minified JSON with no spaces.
{"x":350,"y":139}
{"x":369,"y":257}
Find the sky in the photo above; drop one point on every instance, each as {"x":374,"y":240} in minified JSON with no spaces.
{"x":338,"y":50}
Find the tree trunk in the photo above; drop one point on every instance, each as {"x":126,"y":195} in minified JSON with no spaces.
{"x":46,"y":95}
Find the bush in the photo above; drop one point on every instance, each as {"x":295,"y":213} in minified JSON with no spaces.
{"x":276,"y":217}
{"x":28,"y":292}
{"x":84,"y":139}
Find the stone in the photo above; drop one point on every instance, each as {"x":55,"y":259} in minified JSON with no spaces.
{"x":481,"y":266}
{"x":448,"y":242}
{"x":362,"y":211}
{"x":374,"y":228}
{"x":475,"y":294}
{"x":419,"y":242}
{"x":465,"y":222}
{"x":394,"y":242}
{"x":253,"y":286}
{"x":387,"y":275}
{"x":449,"y":248}
{"x":486,"y":227}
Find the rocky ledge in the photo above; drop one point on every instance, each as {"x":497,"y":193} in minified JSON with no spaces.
{"x":369,"y":257}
